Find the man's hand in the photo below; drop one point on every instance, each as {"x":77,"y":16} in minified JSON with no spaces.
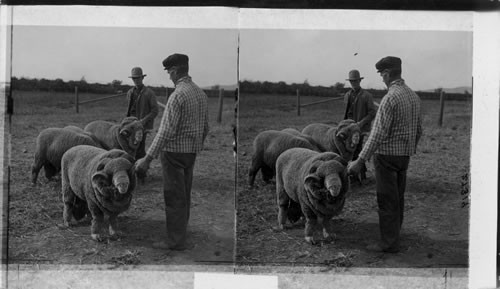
{"x":354,"y":167}
{"x":142,"y":165}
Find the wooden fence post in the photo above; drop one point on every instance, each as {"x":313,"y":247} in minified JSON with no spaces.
{"x":298,"y":102}
{"x":441,"y":101}
{"x":76,"y":99}
{"x":221,"y":100}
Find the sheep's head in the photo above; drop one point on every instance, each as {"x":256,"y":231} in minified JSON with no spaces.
{"x":131,"y":133}
{"x":350,"y":133}
{"x":112,"y":177}
{"x":324,"y":179}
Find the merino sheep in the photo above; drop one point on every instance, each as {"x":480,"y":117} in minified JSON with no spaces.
{"x":268,"y":145}
{"x":97,"y":181}
{"x":50,"y":146}
{"x":342,"y":139}
{"x":316,"y":182}
{"x":125,"y":136}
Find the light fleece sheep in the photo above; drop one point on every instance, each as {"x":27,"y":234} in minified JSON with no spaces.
{"x":267,"y":147}
{"x":341,"y":139}
{"x":52,"y":143}
{"x":314,"y":182}
{"x":127,"y":135}
{"x":97,"y":181}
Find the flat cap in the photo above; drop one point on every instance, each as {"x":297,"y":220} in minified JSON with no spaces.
{"x":389,"y":62}
{"x":175,"y":60}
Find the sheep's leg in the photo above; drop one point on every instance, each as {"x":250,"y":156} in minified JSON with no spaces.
{"x":283,"y":200}
{"x":328,"y":234}
{"x":252,"y":172}
{"x":97,"y":221}
{"x":311,"y":223}
{"x":68,"y":199}
{"x":113,"y":229}
{"x":35,"y":169}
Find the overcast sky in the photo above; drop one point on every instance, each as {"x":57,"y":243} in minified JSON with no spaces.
{"x":431,"y":59}
{"x":103,"y":54}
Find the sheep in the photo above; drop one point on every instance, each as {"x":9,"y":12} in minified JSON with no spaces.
{"x":342,"y":139}
{"x":316,"y":183}
{"x":50,"y":146}
{"x":126,"y":136}
{"x":267,"y":146}
{"x":97,"y":181}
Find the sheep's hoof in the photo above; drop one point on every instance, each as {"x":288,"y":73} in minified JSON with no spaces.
{"x":97,"y":237}
{"x":310,"y":240}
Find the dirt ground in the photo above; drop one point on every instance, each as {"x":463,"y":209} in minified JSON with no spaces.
{"x":435,"y":228}
{"x":35,"y":211}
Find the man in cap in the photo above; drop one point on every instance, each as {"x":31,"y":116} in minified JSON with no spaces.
{"x":395,"y":134}
{"x":143,"y":105}
{"x":183,"y":129}
{"x":361,"y":109}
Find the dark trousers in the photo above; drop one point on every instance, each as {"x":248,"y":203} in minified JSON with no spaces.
{"x":390,"y":174}
{"x":177,"y":181}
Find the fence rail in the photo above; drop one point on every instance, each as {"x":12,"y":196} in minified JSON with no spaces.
{"x":209,"y":93}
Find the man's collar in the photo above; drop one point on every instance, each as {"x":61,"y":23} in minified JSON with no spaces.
{"x":185,"y":78}
{"x":397,"y":81}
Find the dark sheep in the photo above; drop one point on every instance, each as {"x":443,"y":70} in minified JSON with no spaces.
{"x":341,"y":139}
{"x":50,"y":146}
{"x":267,"y":146}
{"x":126,"y":136}
{"x":314,"y":182}
{"x":97,"y":181}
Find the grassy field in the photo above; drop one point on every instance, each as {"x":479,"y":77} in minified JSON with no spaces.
{"x":35,"y":211}
{"x":435,"y":229}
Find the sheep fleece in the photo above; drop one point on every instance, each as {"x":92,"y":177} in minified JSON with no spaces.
{"x":267,"y":146}
{"x":90,"y":174}
{"x":316,"y":181}
{"x":50,"y":146}
{"x":125,"y":136}
{"x":342,"y":139}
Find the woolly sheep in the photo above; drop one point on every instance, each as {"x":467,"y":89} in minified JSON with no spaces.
{"x":314,"y":182}
{"x":97,"y":181}
{"x":125,"y":136}
{"x":342,"y":139}
{"x":50,"y":146}
{"x":267,"y":146}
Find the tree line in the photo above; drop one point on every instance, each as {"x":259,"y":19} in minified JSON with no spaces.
{"x":336,"y":90}
{"x":59,"y":85}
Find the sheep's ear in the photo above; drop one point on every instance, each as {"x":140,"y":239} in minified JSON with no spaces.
{"x":314,"y":168}
{"x":312,"y":182}
{"x":100,"y":180}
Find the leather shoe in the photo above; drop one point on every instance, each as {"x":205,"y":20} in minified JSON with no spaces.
{"x":377,"y":248}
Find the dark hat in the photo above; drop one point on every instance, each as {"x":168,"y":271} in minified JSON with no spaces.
{"x":354,"y":75}
{"x":389,"y":62}
{"x":175,"y":60}
{"x":136,"y":72}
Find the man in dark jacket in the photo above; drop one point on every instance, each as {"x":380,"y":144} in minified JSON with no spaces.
{"x":143,"y":105}
{"x":361,"y":109}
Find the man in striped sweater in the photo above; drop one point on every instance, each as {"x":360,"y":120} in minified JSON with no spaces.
{"x":395,"y":134}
